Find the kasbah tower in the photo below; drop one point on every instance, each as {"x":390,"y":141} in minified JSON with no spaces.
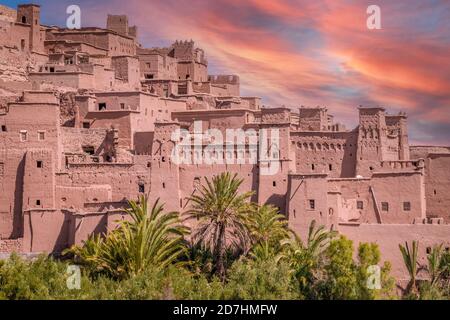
{"x":86,"y":123}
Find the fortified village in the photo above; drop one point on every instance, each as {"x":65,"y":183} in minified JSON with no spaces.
{"x":86,"y":123}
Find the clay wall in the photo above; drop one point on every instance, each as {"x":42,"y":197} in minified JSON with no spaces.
{"x":331,"y":153}
{"x":390,"y":236}
{"x":127,"y":68}
{"x":437,"y":185}
{"x":157,"y":66}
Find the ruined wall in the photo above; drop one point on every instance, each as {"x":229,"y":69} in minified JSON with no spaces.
{"x":115,"y":44}
{"x":67,"y":80}
{"x":127,"y":68}
{"x":7,"y":14}
{"x":79,"y":197}
{"x":421,"y":152}
{"x":16,"y":58}
{"x":74,"y":139}
{"x":10,"y":246}
{"x":54,"y":46}
{"x":313,"y":119}
{"x":124,"y":178}
{"x":158,"y":67}
{"x":230,"y":84}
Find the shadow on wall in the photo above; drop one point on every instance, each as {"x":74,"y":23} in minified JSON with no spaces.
{"x":279,"y":201}
{"x":17,"y":231}
{"x":255,"y":184}
{"x":62,"y":241}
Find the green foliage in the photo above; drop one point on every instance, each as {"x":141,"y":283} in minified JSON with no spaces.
{"x":39,"y":279}
{"x":435,"y":268}
{"x":45,"y":279}
{"x":369,"y":255}
{"x":410,"y":259}
{"x":306,"y":260}
{"x":345,"y":279}
{"x":438,"y":266}
{"x":147,"y":241}
{"x":222,"y":213}
{"x":260,"y":280}
{"x":267,"y":229}
{"x":339,"y":279}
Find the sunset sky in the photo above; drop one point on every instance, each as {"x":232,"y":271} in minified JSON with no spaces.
{"x":299,"y":52}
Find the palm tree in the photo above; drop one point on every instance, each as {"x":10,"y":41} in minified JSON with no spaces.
{"x":304,"y":259}
{"x":318,"y":239}
{"x":222,"y":214}
{"x":154,"y":240}
{"x":411,"y":263}
{"x":267,"y":229}
{"x":435,"y":266}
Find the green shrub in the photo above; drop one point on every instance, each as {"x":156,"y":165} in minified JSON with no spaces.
{"x":260,"y":280}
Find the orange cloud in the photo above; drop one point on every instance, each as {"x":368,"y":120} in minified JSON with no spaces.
{"x":317,"y":52}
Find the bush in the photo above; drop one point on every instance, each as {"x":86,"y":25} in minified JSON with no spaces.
{"x":43,"y":278}
{"x":260,"y":280}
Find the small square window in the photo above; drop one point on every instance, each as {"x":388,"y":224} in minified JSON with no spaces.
{"x":39,"y":164}
{"x":102,"y":106}
{"x":359,"y":205}
{"x":313,"y":167}
{"x":141,"y":188}
{"x":330,"y":167}
{"x":41,"y":135}
{"x":90,"y":150}
{"x":4,"y":128}
{"x":385,"y":206}
{"x":86,"y":125}
{"x":23,"y":135}
{"x":406,"y":206}
{"x":38,"y":202}
{"x":312,"y":204}
{"x":274,"y":183}
{"x":122,"y":106}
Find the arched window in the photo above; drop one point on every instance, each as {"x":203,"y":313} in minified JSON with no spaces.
{"x":24,"y":19}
